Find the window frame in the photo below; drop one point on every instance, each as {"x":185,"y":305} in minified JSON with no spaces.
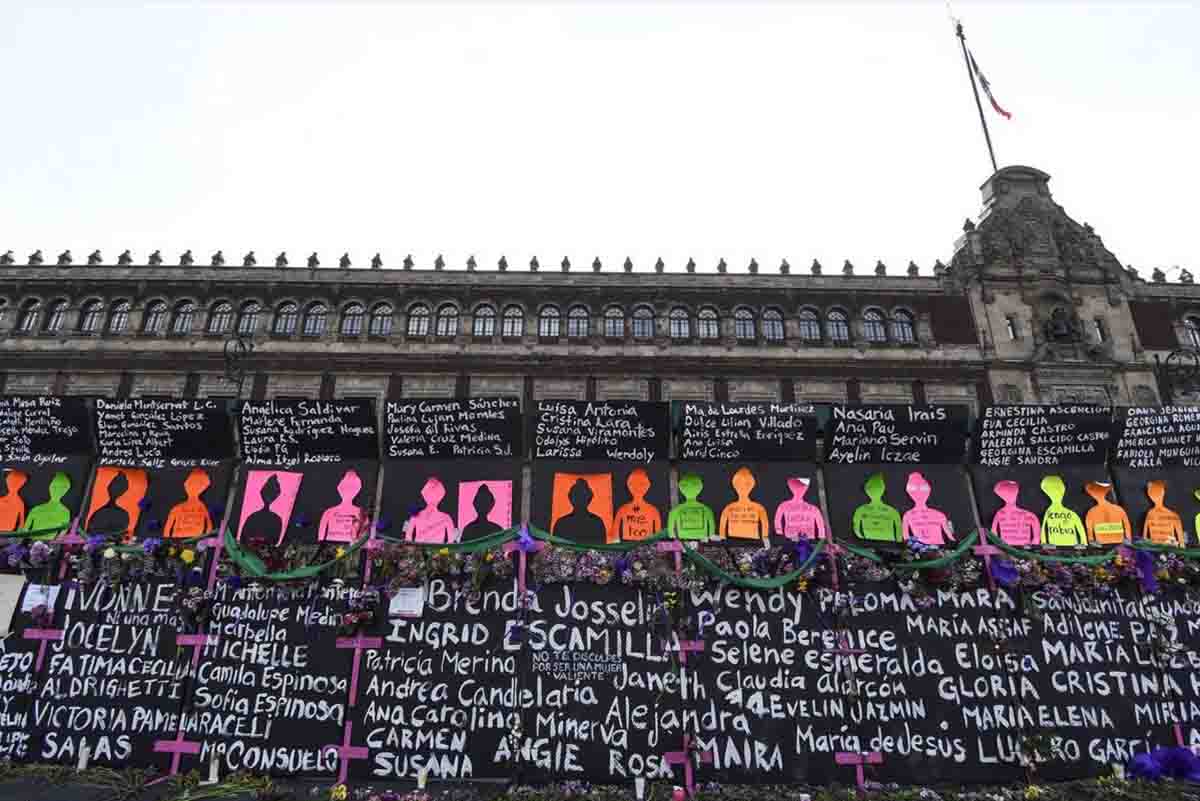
{"x":579,"y":322}
{"x":448,"y":321}
{"x":483,"y":321}
{"x":380,"y":323}
{"x":774,"y":330}
{"x":808,"y":323}
{"x":352,"y":320}
{"x":247,"y":318}
{"x":154,"y":318}
{"x":417,"y":321}
{"x":549,"y":323}
{"x":29,"y":317}
{"x":613,"y":324}
{"x":513,"y":316}
{"x":222,"y":312}
{"x":874,"y":326}
{"x":1191,"y":325}
{"x":91,"y":317}
{"x":183,"y":316}
{"x":642,"y":324}
{"x":679,"y":324}
{"x":708,"y":319}
{"x":55,"y":317}
{"x":287,"y":319}
{"x":837,"y":326}
{"x":118,"y":317}
{"x":903,"y":327}
{"x":743,"y":317}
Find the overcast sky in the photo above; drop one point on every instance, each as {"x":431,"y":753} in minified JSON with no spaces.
{"x":737,"y":130}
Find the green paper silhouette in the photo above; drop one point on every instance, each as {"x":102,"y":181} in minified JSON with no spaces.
{"x":1060,"y":525}
{"x":691,"y":520}
{"x":53,"y":513}
{"x":875,"y":520}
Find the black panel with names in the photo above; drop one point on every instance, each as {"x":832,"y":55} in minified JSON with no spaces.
{"x":306,"y":432}
{"x":1043,"y":435}
{"x":43,"y":429}
{"x":138,"y":432}
{"x":462,"y":427}
{"x":896,"y":434}
{"x":615,"y":431}
{"x":1158,"y":436}
{"x":752,"y":431}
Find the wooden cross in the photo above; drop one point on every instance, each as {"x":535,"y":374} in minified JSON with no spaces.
{"x":347,"y":752}
{"x":197,"y":641}
{"x":987,"y":551}
{"x":216,"y":545}
{"x":522,"y":550}
{"x":1179,"y":741}
{"x":358,"y":643}
{"x":177,"y":748}
{"x":858,"y":761}
{"x":684,"y":758}
{"x":675,"y":547}
{"x":373,"y":546}
{"x":70,"y":537}
{"x":683,"y":646}
{"x":45,"y":636}
{"x":833,"y":549}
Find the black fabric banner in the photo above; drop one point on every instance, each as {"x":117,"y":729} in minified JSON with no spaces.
{"x":615,"y":431}
{"x":593,"y":502}
{"x":160,"y":433}
{"x":294,"y":434}
{"x":1166,"y":436}
{"x":881,"y":503}
{"x":729,"y":432}
{"x":326,"y":503}
{"x":450,"y":500}
{"x":43,"y":429}
{"x":907,"y":434}
{"x":744,"y":502}
{"x":465,"y":428}
{"x":1017,"y":436}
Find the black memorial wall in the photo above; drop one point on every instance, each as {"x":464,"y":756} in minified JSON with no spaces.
{"x":1158,"y":446}
{"x":45,"y":461}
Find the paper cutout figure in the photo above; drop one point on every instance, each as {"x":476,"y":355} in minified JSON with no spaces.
{"x":53,"y":514}
{"x":116,"y":501}
{"x":341,"y":523}
{"x":744,"y":519}
{"x":1162,"y":525}
{"x":796,"y":517}
{"x":876,"y":520}
{"x":691,"y":520}
{"x":1060,"y":525}
{"x":925,"y":523}
{"x":431,"y":524}
{"x":1015,"y":525}
{"x":484,"y":507}
{"x":637,"y":519}
{"x":581,"y":507}
{"x":1107,"y":523}
{"x":190,"y":518}
{"x":267,"y":503}
{"x":12,"y":507}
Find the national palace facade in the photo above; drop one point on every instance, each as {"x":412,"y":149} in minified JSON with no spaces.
{"x":1030,"y":307}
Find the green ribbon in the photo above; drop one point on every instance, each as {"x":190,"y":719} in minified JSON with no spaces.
{"x":252,"y":566}
{"x":1018,"y":553}
{"x":712,"y":568}
{"x":1174,"y":550}
{"x":470,"y":546}
{"x":38,"y":533}
{"x":942,"y":561}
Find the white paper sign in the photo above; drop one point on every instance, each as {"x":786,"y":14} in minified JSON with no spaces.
{"x":407,"y":602}
{"x":10,"y":593}
{"x":40,"y":594}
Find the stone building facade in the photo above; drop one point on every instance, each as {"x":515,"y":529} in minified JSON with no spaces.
{"x":1030,"y":308}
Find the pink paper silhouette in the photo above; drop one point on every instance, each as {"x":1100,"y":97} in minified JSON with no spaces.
{"x":929,"y":525}
{"x":431,"y":524}
{"x":1015,"y":525}
{"x":267,"y":502}
{"x":499,"y":514}
{"x":796,"y":517}
{"x":341,"y":523}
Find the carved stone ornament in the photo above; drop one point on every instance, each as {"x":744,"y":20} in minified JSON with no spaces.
{"x":659,"y":266}
{"x":7,"y":258}
{"x":753,"y":267}
{"x":281,"y":260}
{"x":344,"y":261}
{"x":913,"y":270}
{"x":125,"y":259}
{"x":722,"y":267}
{"x":155,"y":258}
{"x":64,"y":258}
{"x":377,"y":261}
{"x":95,"y":258}
{"x":408,"y":262}
{"x":501,"y":265}
{"x":1062,"y":327}
{"x":249,"y":260}
{"x":1158,"y":276}
{"x":628,"y":265}
{"x":218,"y":259}
{"x":35,"y":258}
{"x":815,"y":269}
{"x":691,"y":266}
{"x":566,"y":265}
{"x":596,"y":265}
{"x":784,"y":267}
{"x":313,"y":261}
{"x":1185,"y":276}
{"x":187,"y":259}
{"x":847,"y":268}
{"x":880,"y":268}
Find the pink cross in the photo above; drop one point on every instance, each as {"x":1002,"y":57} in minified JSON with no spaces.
{"x":177,"y":748}
{"x":684,"y":758}
{"x":372,"y":546}
{"x":522,"y":560}
{"x":216,"y":545}
{"x":833,"y":549}
{"x":844,"y":647}
{"x":358,"y":643}
{"x":858,"y":761}
{"x":1179,"y":741}
{"x":45,"y":636}
{"x":197,"y":641}
{"x":987,"y":551}
{"x":347,"y":752}
{"x":70,"y":537}
{"x":675,"y":547}
{"x":684,"y":647}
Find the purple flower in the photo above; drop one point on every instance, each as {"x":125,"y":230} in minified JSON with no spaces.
{"x":151,"y":545}
{"x":39,"y":552}
{"x":525,"y":541}
{"x":802,"y":551}
{"x":383,"y":524}
{"x":1145,"y":568}
{"x":1004,"y":573}
{"x":95,"y":542}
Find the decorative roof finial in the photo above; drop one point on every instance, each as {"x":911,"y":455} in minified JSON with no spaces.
{"x":471,"y":263}
{"x":95,"y":258}
{"x":281,"y":259}
{"x":1186,"y":277}
{"x":249,"y":260}
{"x":659,"y":266}
{"x":913,"y":269}
{"x":35,"y":258}
{"x":939,"y":268}
{"x":1158,"y":276}
{"x":691,"y":265}
{"x":753,"y":266}
{"x":7,"y":258}
{"x":502,"y":264}
{"x":847,"y":268}
{"x":596,"y":265}
{"x":880,"y":267}
{"x":186,"y":259}
{"x":815,"y":269}
{"x":408,"y":262}
{"x":784,"y":267}
{"x":218,"y":259}
{"x":722,"y":266}
{"x":64,"y":258}
{"x":125,"y":259}
{"x":154,"y":260}
{"x":313,"y":261}
{"x":628,"y":265}
{"x":533,"y":265}
{"x":344,"y":262}
{"x":376,"y":262}
{"x":566,"y":265}
{"x":439,"y":263}
{"x":968,"y":226}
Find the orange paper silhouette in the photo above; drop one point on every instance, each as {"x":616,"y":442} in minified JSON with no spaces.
{"x":116,"y":501}
{"x":12,"y":508}
{"x":581,"y":508}
{"x":1106,"y":522}
{"x":744,"y":519}
{"x":190,"y":518}
{"x":1161,"y":525}
{"x":637,"y":519}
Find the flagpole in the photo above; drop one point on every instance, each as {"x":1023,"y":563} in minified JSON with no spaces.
{"x":962,"y":40}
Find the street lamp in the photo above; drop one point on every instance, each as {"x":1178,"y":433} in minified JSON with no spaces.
{"x":237,"y":352}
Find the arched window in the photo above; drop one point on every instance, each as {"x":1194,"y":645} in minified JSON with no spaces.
{"x":352,"y":320}
{"x":155,"y":317}
{"x":902,"y":327}
{"x":381,"y":320}
{"x":514,"y":323}
{"x":810,"y":326}
{"x":679,"y":322}
{"x":285,"y":319}
{"x":118,"y":317}
{"x":1191,"y":325}
{"x":418,"y":321}
{"x":578,"y":323}
{"x":247,"y":323}
{"x":837,"y":326}
{"x":772,"y":325}
{"x":643,"y":323}
{"x":181,"y":321}
{"x":614,"y":323}
{"x":55,"y":317}
{"x":549,"y":323}
{"x":314,"y":319}
{"x":873,"y":328}
{"x":447,"y":321}
{"x":743,"y":325}
{"x":708,"y":324}
{"x":219,"y":317}
{"x":483,"y":325}
{"x":27,"y":321}
{"x":91,"y":316}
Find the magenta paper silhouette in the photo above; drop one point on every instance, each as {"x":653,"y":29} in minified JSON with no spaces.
{"x":431,"y":524}
{"x":796,"y":517}
{"x":484,"y":507}
{"x":341,"y":523}
{"x":267,"y":503}
{"x":929,"y":525}
{"x":1015,"y":525}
